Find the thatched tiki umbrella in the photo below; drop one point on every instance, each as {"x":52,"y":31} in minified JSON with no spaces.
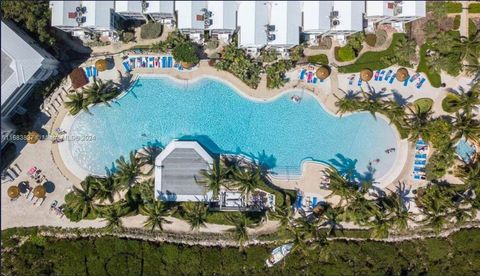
{"x":33,"y":137}
{"x":402,"y":74}
{"x":13,"y":192}
{"x":366,"y":74}
{"x":39,"y":191}
{"x":323,"y":72}
{"x":101,"y":65}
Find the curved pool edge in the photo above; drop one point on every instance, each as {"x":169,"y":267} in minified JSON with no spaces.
{"x":385,"y":180}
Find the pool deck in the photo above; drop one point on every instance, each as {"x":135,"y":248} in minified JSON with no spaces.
{"x":20,"y":213}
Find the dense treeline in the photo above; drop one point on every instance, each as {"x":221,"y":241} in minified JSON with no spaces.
{"x":459,"y":254}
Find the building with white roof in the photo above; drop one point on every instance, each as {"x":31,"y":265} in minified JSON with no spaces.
{"x":192,"y":18}
{"x":222,"y":21}
{"x":83,"y":18}
{"x":159,"y":11}
{"x":332,"y":18}
{"x":24,"y":64}
{"x":252,"y":22}
{"x":178,"y":172}
{"x":395,"y":13}
{"x":285,"y":21}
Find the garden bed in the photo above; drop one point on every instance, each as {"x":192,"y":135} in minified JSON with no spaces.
{"x":433,"y":77}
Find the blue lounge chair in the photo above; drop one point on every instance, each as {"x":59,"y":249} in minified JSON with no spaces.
{"x":416,"y":177}
{"x":321,"y":80}
{"x":132,"y":62}
{"x":315,"y":80}
{"x":298,"y":203}
{"x":387,"y":76}
{"x":89,"y":71}
{"x":421,"y":83}
{"x":169,"y":61}
{"x":94,"y":70}
{"x":380,"y":78}
{"x":314,"y":201}
{"x":359,"y":82}
{"x":302,"y":74}
{"x":421,"y":156}
{"x":418,"y":169}
{"x":151,"y":62}
{"x":420,"y":162}
{"x":126,"y":66}
{"x":392,"y":78}
{"x":421,"y":142}
{"x":164,"y":62}
{"x":405,"y":83}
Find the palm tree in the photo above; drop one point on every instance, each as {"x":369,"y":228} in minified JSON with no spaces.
{"x":247,"y":180}
{"x":112,"y":216}
{"x":466,"y":126}
{"x":331,"y":217}
{"x":284,"y":214}
{"x":417,"y":123}
{"x":399,"y":215}
{"x":195,"y":213}
{"x":147,"y":157}
{"x":380,"y":225}
{"x":349,"y":103}
{"x":215,"y":177}
{"x":127,"y":171}
{"x":405,"y":50}
{"x":471,"y":48}
{"x":84,"y":197}
{"x":468,"y":100}
{"x":100,"y":92}
{"x":76,"y":103}
{"x":396,"y":112}
{"x":107,"y":187}
{"x":339,"y":186}
{"x":156,"y":213}
{"x":436,"y":202}
{"x":240,"y":222}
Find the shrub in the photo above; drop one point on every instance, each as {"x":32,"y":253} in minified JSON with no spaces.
{"x":345,"y":54}
{"x":433,"y":77}
{"x":371,"y":40}
{"x":127,"y":37}
{"x":318,"y":59}
{"x":456,"y":22}
{"x":185,"y":52}
{"x":450,"y":103}
{"x":472,"y":27}
{"x":453,"y":7}
{"x":214,"y":55}
{"x":150,"y":30}
{"x":423,"y":105}
{"x":325,"y":43}
{"x":474,"y":8}
{"x":381,"y":38}
{"x":212,"y":44}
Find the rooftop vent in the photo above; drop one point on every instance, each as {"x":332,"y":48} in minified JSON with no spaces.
{"x":270,"y":37}
{"x":335,"y":22}
{"x":333,"y":14}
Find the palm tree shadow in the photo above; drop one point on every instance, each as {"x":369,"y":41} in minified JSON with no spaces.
{"x":399,"y":99}
{"x":345,"y":166}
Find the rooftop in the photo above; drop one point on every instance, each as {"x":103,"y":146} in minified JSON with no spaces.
{"x":252,"y":18}
{"x":177,"y":172}
{"x":191,"y":14}
{"x":95,"y":13}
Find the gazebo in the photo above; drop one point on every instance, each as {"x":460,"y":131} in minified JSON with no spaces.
{"x":101,"y":65}
{"x":13,"y":192}
{"x":33,"y":137}
{"x":39,"y":191}
{"x":323,"y":72}
{"x":402,"y":74}
{"x":366,"y":74}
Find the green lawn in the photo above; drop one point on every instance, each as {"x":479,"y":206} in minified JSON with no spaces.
{"x":450,"y":103}
{"x":474,"y":8}
{"x":472,"y":27}
{"x":318,"y":59}
{"x":453,"y":7}
{"x":433,"y":77}
{"x":372,"y":60}
{"x":423,"y":105}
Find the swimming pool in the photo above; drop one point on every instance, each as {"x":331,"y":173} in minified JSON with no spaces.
{"x":280,"y":133}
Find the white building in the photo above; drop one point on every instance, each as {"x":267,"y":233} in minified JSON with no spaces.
{"x":24,"y":64}
{"x":192,"y":18}
{"x":177,"y":172}
{"x":395,"y":13}
{"x":332,"y":18}
{"x":84,"y":18}
{"x":222,"y":21}
{"x":252,"y":22}
{"x":159,"y":11}
{"x":285,"y":22}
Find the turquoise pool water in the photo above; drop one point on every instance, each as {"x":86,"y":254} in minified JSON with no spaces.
{"x":280,"y":134}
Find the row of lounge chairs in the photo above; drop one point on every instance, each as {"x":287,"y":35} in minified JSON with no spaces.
{"x":421,"y":153}
{"x":309,"y":76}
{"x":150,"y":62}
{"x":307,"y":202}
{"x":91,"y":71}
{"x":389,"y":76}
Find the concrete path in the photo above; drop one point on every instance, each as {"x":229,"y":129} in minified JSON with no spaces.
{"x":464,"y":19}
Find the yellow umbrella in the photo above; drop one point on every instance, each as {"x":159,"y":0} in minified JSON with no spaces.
{"x":32,"y":137}
{"x":101,"y":65}
{"x":323,"y":72}
{"x":39,"y":191}
{"x":366,"y":74}
{"x":402,"y":74}
{"x":13,"y":191}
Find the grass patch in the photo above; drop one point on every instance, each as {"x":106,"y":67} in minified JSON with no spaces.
{"x":150,"y":30}
{"x":472,"y":27}
{"x":433,"y":77}
{"x":423,"y":105}
{"x":318,"y":59}
{"x":453,"y":7}
{"x":474,"y":8}
{"x":456,"y":22}
{"x":450,"y":103}
{"x":373,"y":60}
{"x":221,"y":217}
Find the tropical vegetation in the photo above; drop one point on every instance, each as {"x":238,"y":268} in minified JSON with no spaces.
{"x":98,"y":92}
{"x":151,"y":30}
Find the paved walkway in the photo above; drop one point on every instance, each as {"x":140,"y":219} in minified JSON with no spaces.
{"x":464,"y":19}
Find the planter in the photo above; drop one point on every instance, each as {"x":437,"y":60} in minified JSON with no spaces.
{"x":187,"y":65}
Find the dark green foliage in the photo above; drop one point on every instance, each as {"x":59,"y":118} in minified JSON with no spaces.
{"x":114,"y":256}
{"x":151,"y":30}
{"x":474,"y":8}
{"x":185,"y":52}
{"x":433,"y":77}
{"x":344,"y":53}
{"x":456,"y":22}
{"x":318,"y":59}
{"x":371,"y":39}
{"x":472,"y":27}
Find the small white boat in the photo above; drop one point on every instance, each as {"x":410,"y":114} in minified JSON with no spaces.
{"x":278,"y":254}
